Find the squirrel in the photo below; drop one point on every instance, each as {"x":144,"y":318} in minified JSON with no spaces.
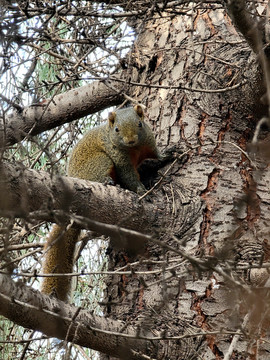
{"x":109,"y":153}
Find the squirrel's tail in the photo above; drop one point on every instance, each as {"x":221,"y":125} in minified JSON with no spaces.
{"x":59,"y":255}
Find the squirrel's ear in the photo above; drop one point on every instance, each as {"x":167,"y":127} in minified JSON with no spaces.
{"x":111,"y":118}
{"x":139,"y":110}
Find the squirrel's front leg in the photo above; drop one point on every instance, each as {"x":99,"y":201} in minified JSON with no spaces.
{"x":129,"y":178}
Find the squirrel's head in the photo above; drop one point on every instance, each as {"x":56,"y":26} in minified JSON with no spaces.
{"x":126,"y":126}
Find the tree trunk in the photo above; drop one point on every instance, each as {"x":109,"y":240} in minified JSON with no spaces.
{"x":201,"y":88}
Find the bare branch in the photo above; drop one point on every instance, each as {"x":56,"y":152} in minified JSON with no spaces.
{"x":28,"y":307}
{"x":64,"y":108}
{"x":25,"y":191}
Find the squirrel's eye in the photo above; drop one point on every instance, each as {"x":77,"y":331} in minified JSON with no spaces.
{"x":140,"y":124}
{"x":116,"y":129}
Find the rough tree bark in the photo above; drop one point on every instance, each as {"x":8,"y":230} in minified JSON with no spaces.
{"x":195,"y":278}
{"x":217,"y":125}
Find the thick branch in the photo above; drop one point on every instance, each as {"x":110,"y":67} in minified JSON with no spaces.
{"x":63,"y":108}
{"x":28,"y":193}
{"x":29,"y":308}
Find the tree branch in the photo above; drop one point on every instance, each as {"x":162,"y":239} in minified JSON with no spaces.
{"x":28,"y":193}
{"x":29,"y":308}
{"x":63,"y":108}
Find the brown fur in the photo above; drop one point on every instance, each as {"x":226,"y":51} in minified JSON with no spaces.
{"x":108,"y":153}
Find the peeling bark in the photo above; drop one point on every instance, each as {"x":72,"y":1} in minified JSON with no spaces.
{"x":218,"y":127}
